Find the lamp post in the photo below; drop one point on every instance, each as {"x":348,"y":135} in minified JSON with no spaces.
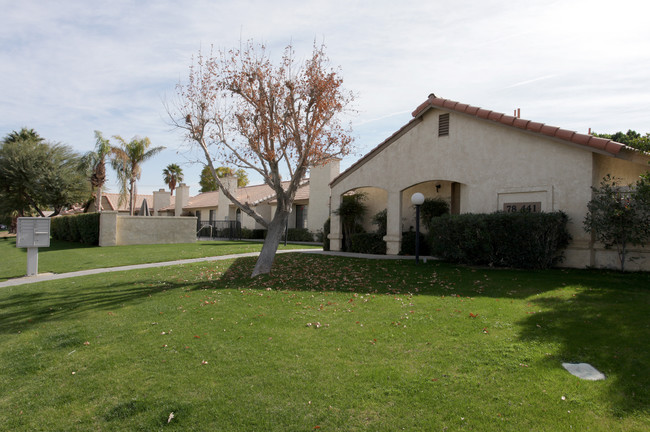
{"x":417,"y":199}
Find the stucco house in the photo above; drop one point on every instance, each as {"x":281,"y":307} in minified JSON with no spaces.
{"x":482,"y":161}
{"x":310,"y":208}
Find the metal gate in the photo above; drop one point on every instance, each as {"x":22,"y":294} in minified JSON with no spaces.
{"x":225,"y":229}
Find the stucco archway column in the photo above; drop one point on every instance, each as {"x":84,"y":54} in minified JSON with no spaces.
{"x":393,"y":236}
{"x":335,"y":235}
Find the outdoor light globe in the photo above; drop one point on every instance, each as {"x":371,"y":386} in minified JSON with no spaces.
{"x":417,"y":199}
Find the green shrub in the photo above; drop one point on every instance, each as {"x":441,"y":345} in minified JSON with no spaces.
{"x":253,"y":234}
{"x":408,"y":244}
{"x":381,"y":220}
{"x":300,"y":235}
{"x":82,"y":228}
{"x":326,"y":231}
{"x":522,"y":240}
{"x":369,"y":243}
{"x":431,"y":208}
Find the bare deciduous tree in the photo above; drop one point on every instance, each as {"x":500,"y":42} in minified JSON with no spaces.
{"x":240,"y":108}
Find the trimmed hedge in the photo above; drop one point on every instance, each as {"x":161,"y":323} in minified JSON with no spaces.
{"x":253,"y":234}
{"x":521,"y":240}
{"x":300,"y":235}
{"x":82,"y":228}
{"x":408,"y":244}
{"x":368,"y":243}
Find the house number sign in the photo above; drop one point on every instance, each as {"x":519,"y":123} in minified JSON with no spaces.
{"x":533,"y":207}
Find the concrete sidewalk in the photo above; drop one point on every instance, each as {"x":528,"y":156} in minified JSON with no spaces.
{"x":55,"y":276}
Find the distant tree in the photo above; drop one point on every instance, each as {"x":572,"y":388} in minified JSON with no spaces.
{"x":36,"y":175}
{"x":275,"y":119}
{"x":630,"y":138}
{"x":127,"y":161}
{"x":95,"y":163}
{"x":209,"y":184}
{"x":620,"y":215}
{"x":172,"y":175}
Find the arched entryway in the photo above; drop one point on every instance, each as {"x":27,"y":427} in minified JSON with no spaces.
{"x":373,"y":199}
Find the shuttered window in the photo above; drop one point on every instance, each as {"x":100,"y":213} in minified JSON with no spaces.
{"x":443,"y":125}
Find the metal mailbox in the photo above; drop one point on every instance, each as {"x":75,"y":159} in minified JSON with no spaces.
{"x":33,"y":233}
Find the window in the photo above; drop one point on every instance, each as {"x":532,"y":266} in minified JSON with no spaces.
{"x":211,"y":217}
{"x":443,"y":124}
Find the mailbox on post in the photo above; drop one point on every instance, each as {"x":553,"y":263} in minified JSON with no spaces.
{"x":32,"y":233}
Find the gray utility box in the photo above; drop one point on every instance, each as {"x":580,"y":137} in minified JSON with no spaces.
{"x":32,"y":233}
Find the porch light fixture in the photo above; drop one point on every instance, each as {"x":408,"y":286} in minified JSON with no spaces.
{"x":417,"y":199}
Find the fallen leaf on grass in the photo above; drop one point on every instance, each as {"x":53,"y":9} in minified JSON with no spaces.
{"x":473,"y":315}
{"x":171,"y":416}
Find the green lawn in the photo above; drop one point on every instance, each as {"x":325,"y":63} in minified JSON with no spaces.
{"x":62,"y":257}
{"x":326,"y":343}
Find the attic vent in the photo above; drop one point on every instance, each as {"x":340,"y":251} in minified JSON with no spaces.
{"x":443,"y":125}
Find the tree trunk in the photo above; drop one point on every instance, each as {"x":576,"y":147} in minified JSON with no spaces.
{"x":132,"y":198}
{"x":270,"y":247}
{"x":98,"y":204}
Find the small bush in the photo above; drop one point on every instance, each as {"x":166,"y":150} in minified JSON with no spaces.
{"x":82,"y":228}
{"x":381,"y":220}
{"x":522,"y":240}
{"x":300,"y":235}
{"x":431,"y":208}
{"x":253,"y":234}
{"x":369,"y":243}
{"x":326,"y":231}
{"x":408,"y":244}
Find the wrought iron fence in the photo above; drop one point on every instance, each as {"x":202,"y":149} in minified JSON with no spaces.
{"x":226,"y":229}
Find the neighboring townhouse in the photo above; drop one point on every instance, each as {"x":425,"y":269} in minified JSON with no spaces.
{"x":110,"y":202}
{"x":310,"y":207}
{"x":482,"y":161}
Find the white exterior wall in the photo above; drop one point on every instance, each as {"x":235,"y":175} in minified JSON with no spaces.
{"x":182,"y":197}
{"x":160,"y":200}
{"x":319,"y":194}
{"x":493,"y":163}
{"x":117,"y":230}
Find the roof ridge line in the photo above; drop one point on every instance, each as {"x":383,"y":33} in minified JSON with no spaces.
{"x":603,"y":144}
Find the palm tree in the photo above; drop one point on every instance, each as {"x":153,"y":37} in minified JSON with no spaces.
{"x":24,"y":135}
{"x":95,"y":162}
{"x":172,"y":175}
{"x":126,"y":161}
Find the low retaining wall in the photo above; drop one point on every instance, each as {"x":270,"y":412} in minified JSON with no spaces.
{"x":118,"y":230}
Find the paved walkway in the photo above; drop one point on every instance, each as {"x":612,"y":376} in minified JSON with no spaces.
{"x":55,"y":276}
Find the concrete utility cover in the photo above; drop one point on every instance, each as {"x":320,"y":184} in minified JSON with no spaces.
{"x":584,"y":371}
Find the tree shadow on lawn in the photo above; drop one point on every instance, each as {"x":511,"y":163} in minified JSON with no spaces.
{"x":605,"y":323}
{"x":607,"y":328}
{"x":64,"y":300}
{"x":601,"y":318}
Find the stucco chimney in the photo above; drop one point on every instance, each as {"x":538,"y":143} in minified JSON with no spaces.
{"x":319,"y":192}
{"x":160,"y":200}
{"x":182,"y":198}
{"x":230,"y":184}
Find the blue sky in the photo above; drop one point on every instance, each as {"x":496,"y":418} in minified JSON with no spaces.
{"x":68,"y":68}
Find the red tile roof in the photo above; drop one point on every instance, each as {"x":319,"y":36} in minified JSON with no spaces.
{"x":252,"y":195}
{"x":602,"y":144}
{"x":607,"y":146}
